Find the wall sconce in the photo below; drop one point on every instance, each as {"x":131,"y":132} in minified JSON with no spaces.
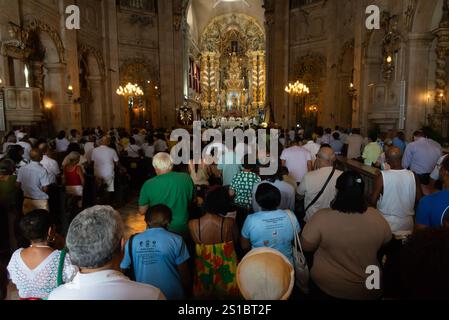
{"x":388,"y":67}
{"x":352,"y":91}
{"x":70,"y":92}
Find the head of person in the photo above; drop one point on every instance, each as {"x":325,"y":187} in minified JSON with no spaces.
{"x":150,"y":139}
{"x":73,"y":158}
{"x":36,"y":155}
{"x":74,"y":147}
{"x":217,"y":202}
{"x":249,"y":164}
{"x":418,"y":135}
{"x":92,"y":138}
{"x":95,"y":238}
{"x":401,"y":135}
{"x":44,"y":148}
{"x":159,"y":216}
{"x":132,"y":141}
{"x":424,"y":264}
{"x":61,"y":135}
{"x":105,"y":141}
{"x":328,"y":131}
{"x":37,"y":226}
{"x":268,"y":197}
{"x":7,"y":167}
{"x":350,"y":196}
{"x":11,"y":139}
{"x":444,"y":173}
{"x":356,"y":131}
{"x":265,"y":274}
{"x":336,"y":136}
{"x":319,"y":131}
{"x":73,"y":133}
{"x":15,"y":153}
{"x":337,"y":128}
{"x":325,"y":158}
{"x":393,"y":156}
{"x":373,"y":136}
{"x":136,"y":131}
{"x":162,"y":163}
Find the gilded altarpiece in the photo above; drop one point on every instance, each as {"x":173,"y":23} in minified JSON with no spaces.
{"x":233,"y":67}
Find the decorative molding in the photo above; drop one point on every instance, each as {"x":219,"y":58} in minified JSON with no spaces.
{"x":40,"y":26}
{"x":87,"y":49}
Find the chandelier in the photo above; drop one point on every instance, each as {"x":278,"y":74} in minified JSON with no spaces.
{"x":297,"y":89}
{"x":130,"y":90}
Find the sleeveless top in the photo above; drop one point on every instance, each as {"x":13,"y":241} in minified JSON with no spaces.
{"x":72,"y":178}
{"x":216,"y":269}
{"x":397,"y":202}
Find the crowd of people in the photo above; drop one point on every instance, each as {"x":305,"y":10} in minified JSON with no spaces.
{"x":220,"y":229}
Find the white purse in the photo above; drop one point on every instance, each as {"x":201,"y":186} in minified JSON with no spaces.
{"x":302,"y":273}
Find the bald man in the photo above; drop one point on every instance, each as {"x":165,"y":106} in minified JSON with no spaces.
{"x":396,"y":193}
{"x":34,"y":181}
{"x":317,"y":194}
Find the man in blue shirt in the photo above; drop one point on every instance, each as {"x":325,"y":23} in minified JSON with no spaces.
{"x":159,"y":256}
{"x":433,"y":210}
{"x":421,"y":156}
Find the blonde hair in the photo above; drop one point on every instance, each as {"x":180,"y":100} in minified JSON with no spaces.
{"x":163,"y":162}
{"x":73,"y":158}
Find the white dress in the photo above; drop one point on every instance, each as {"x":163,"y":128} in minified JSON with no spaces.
{"x":41,"y":281}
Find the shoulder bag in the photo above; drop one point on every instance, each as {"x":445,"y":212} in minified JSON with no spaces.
{"x":302,"y":273}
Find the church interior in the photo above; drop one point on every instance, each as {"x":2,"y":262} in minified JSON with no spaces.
{"x":357,"y":91}
{"x":224,"y":58}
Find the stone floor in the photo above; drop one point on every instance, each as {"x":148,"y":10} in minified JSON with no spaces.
{"x":134,"y":223}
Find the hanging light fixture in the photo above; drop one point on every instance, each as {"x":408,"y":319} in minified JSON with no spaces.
{"x":297,"y":89}
{"x":130,"y":90}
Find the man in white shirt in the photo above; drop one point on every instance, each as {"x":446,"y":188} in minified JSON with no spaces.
{"x":49,"y":164}
{"x":105,"y":159}
{"x":312,"y":147}
{"x":34,"y":181}
{"x":95,"y":241}
{"x":314,"y":182}
{"x":133,"y":150}
{"x":396,"y":192}
{"x":297,"y":160}
{"x":355,"y":145}
{"x":89,"y":147}
{"x":23,"y":142}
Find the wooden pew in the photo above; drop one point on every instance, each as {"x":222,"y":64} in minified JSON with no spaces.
{"x":368,"y":173}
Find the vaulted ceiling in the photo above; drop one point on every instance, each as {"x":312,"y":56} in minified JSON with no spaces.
{"x":202,"y":12}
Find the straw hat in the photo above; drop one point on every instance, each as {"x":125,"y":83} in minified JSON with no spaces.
{"x":265,"y":274}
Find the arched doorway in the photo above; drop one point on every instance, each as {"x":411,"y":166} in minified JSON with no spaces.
{"x":143,"y":112}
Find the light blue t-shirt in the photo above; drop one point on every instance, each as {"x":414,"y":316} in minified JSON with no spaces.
{"x":230,"y":166}
{"x":156,"y":255}
{"x":271,"y":229}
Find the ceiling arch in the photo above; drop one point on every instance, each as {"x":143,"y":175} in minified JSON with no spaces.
{"x":201,"y":12}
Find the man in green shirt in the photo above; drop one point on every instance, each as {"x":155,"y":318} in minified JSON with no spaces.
{"x":173,"y":189}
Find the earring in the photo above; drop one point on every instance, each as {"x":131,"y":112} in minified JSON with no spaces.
{"x":51,"y":240}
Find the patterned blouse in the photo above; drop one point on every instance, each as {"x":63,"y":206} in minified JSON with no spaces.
{"x":41,"y":281}
{"x":243,"y":184}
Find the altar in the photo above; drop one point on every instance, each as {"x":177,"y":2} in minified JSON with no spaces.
{"x":233,"y":71}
